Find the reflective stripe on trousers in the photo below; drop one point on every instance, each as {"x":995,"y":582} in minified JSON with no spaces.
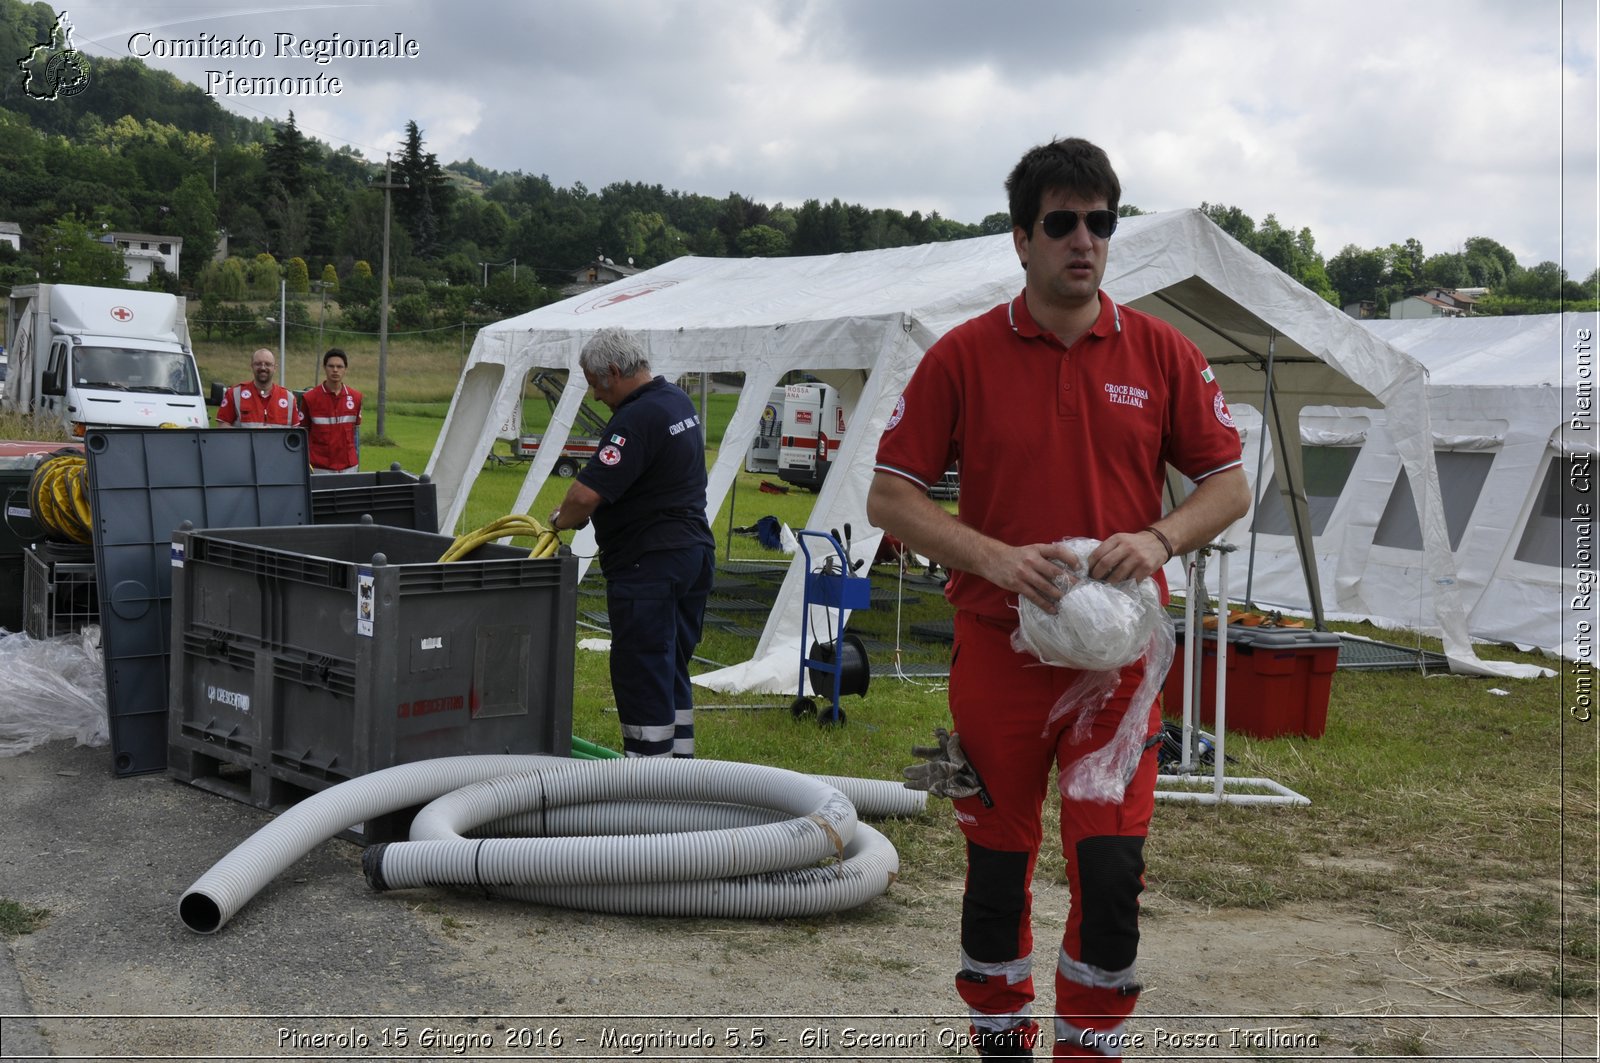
{"x":999,"y":702}
{"x":657,"y":608}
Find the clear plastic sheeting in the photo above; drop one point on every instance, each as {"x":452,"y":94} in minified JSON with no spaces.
{"x":53,"y":689}
{"x":1104,"y":775}
{"x":1099,"y":629}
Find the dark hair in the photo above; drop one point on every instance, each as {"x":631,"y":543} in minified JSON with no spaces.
{"x":335,"y":352}
{"x":1073,"y":164}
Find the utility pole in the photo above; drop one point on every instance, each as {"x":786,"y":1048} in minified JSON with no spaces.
{"x":383,"y":302}
{"x":283,"y":326}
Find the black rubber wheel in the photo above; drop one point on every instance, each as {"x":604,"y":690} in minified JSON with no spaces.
{"x":566,"y":468}
{"x":802,"y":707}
{"x":831,"y":717}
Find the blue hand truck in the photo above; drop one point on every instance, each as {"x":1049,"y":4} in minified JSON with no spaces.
{"x":832,"y":586}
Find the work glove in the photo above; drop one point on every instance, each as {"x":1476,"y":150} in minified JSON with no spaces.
{"x":946,"y":773}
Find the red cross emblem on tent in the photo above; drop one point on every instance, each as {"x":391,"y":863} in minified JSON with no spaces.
{"x":145,"y":411}
{"x":122,"y":313}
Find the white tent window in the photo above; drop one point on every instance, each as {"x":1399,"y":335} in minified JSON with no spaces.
{"x":1559,"y":503}
{"x":1461,"y":478}
{"x":1327,"y":470}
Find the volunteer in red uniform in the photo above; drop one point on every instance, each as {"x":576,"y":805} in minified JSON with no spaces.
{"x":259,"y":403}
{"x":333,"y":416}
{"x":1063,"y":410}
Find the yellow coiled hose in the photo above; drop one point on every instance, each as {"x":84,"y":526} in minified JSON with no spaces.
{"x":545,"y":541}
{"x":59,"y":497}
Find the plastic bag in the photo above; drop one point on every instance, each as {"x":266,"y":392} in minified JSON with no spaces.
{"x":54,"y":688}
{"x":1100,"y":628}
{"x":1097,"y":626}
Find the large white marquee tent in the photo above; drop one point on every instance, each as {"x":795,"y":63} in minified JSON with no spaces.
{"x":1503,"y":393}
{"x":861,"y":322}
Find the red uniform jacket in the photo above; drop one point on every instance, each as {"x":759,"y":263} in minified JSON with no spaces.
{"x":331,"y":422}
{"x":244,"y":405}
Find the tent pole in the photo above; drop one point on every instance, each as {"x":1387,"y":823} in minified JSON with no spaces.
{"x":733,"y":497}
{"x":1261,"y":460}
{"x":705,"y":407}
{"x":1302,"y":534}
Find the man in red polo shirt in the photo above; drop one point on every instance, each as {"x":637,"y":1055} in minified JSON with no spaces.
{"x":1063,"y":410}
{"x":333,"y":417}
{"x":259,"y":403}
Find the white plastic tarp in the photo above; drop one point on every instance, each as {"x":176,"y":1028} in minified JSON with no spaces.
{"x":862,"y":321}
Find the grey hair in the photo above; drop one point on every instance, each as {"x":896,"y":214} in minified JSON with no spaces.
{"x":613,"y":348}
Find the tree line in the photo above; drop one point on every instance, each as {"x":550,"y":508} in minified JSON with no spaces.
{"x":295,"y":209}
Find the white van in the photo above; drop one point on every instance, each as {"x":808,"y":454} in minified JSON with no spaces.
{"x":101,"y":357}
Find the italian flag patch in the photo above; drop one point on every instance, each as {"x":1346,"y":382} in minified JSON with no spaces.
{"x":1207,"y":375}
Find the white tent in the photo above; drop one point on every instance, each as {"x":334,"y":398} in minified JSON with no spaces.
{"x":862,"y":321}
{"x":1502,"y":395}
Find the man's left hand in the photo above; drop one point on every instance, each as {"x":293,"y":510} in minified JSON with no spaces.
{"x":1127,"y":556}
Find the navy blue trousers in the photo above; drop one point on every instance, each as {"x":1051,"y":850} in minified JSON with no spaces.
{"x":657,"y":608}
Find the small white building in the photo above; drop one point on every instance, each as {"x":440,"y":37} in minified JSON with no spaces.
{"x":1426,"y":305}
{"x":141,"y":252}
{"x":11,"y":233}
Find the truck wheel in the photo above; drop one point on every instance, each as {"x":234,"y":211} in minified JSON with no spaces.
{"x":566,"y":468}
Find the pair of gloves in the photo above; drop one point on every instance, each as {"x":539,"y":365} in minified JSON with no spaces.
{"x":946,"y":771}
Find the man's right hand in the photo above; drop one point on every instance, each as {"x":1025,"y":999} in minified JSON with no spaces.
{"x":1030,"y":571}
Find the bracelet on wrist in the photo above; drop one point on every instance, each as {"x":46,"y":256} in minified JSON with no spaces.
{"x":1162,"y":539}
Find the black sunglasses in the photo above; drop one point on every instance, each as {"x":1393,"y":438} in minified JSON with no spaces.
{"x":1059,"y":223}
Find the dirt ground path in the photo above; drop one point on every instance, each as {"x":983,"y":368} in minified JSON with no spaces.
{"x":320,"y":966}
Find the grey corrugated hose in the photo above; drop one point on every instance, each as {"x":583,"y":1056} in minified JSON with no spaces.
{"x":778,"y":843}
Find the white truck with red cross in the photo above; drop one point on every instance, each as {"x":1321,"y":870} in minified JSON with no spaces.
{"x":101,"y":358}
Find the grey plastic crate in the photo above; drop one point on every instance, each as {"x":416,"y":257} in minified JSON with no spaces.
{"x":143,"y":484}
{"x":302,"y":657}
{"x":60,"y":596}
{"x":394,"y":498}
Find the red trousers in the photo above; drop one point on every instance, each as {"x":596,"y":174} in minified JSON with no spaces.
{"x":999,"y":701}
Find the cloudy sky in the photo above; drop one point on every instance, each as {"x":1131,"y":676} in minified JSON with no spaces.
{"x":1369,"y":122}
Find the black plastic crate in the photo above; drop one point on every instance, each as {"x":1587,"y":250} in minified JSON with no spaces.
{"x":17,"y":464}
{"x":60,"y":596}
{"x":17,"y":529}
{"x":307,"y":656}
{"x":12,"y":592}
{"x":394,"y":498}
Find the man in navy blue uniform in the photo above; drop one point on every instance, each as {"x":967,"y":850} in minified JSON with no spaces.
{"x":646,"y":490}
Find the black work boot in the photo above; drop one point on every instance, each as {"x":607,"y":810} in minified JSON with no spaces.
{"x":1015,"y":1043}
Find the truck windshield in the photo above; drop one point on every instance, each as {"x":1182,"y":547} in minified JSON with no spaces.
{"x":134,"y":370}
